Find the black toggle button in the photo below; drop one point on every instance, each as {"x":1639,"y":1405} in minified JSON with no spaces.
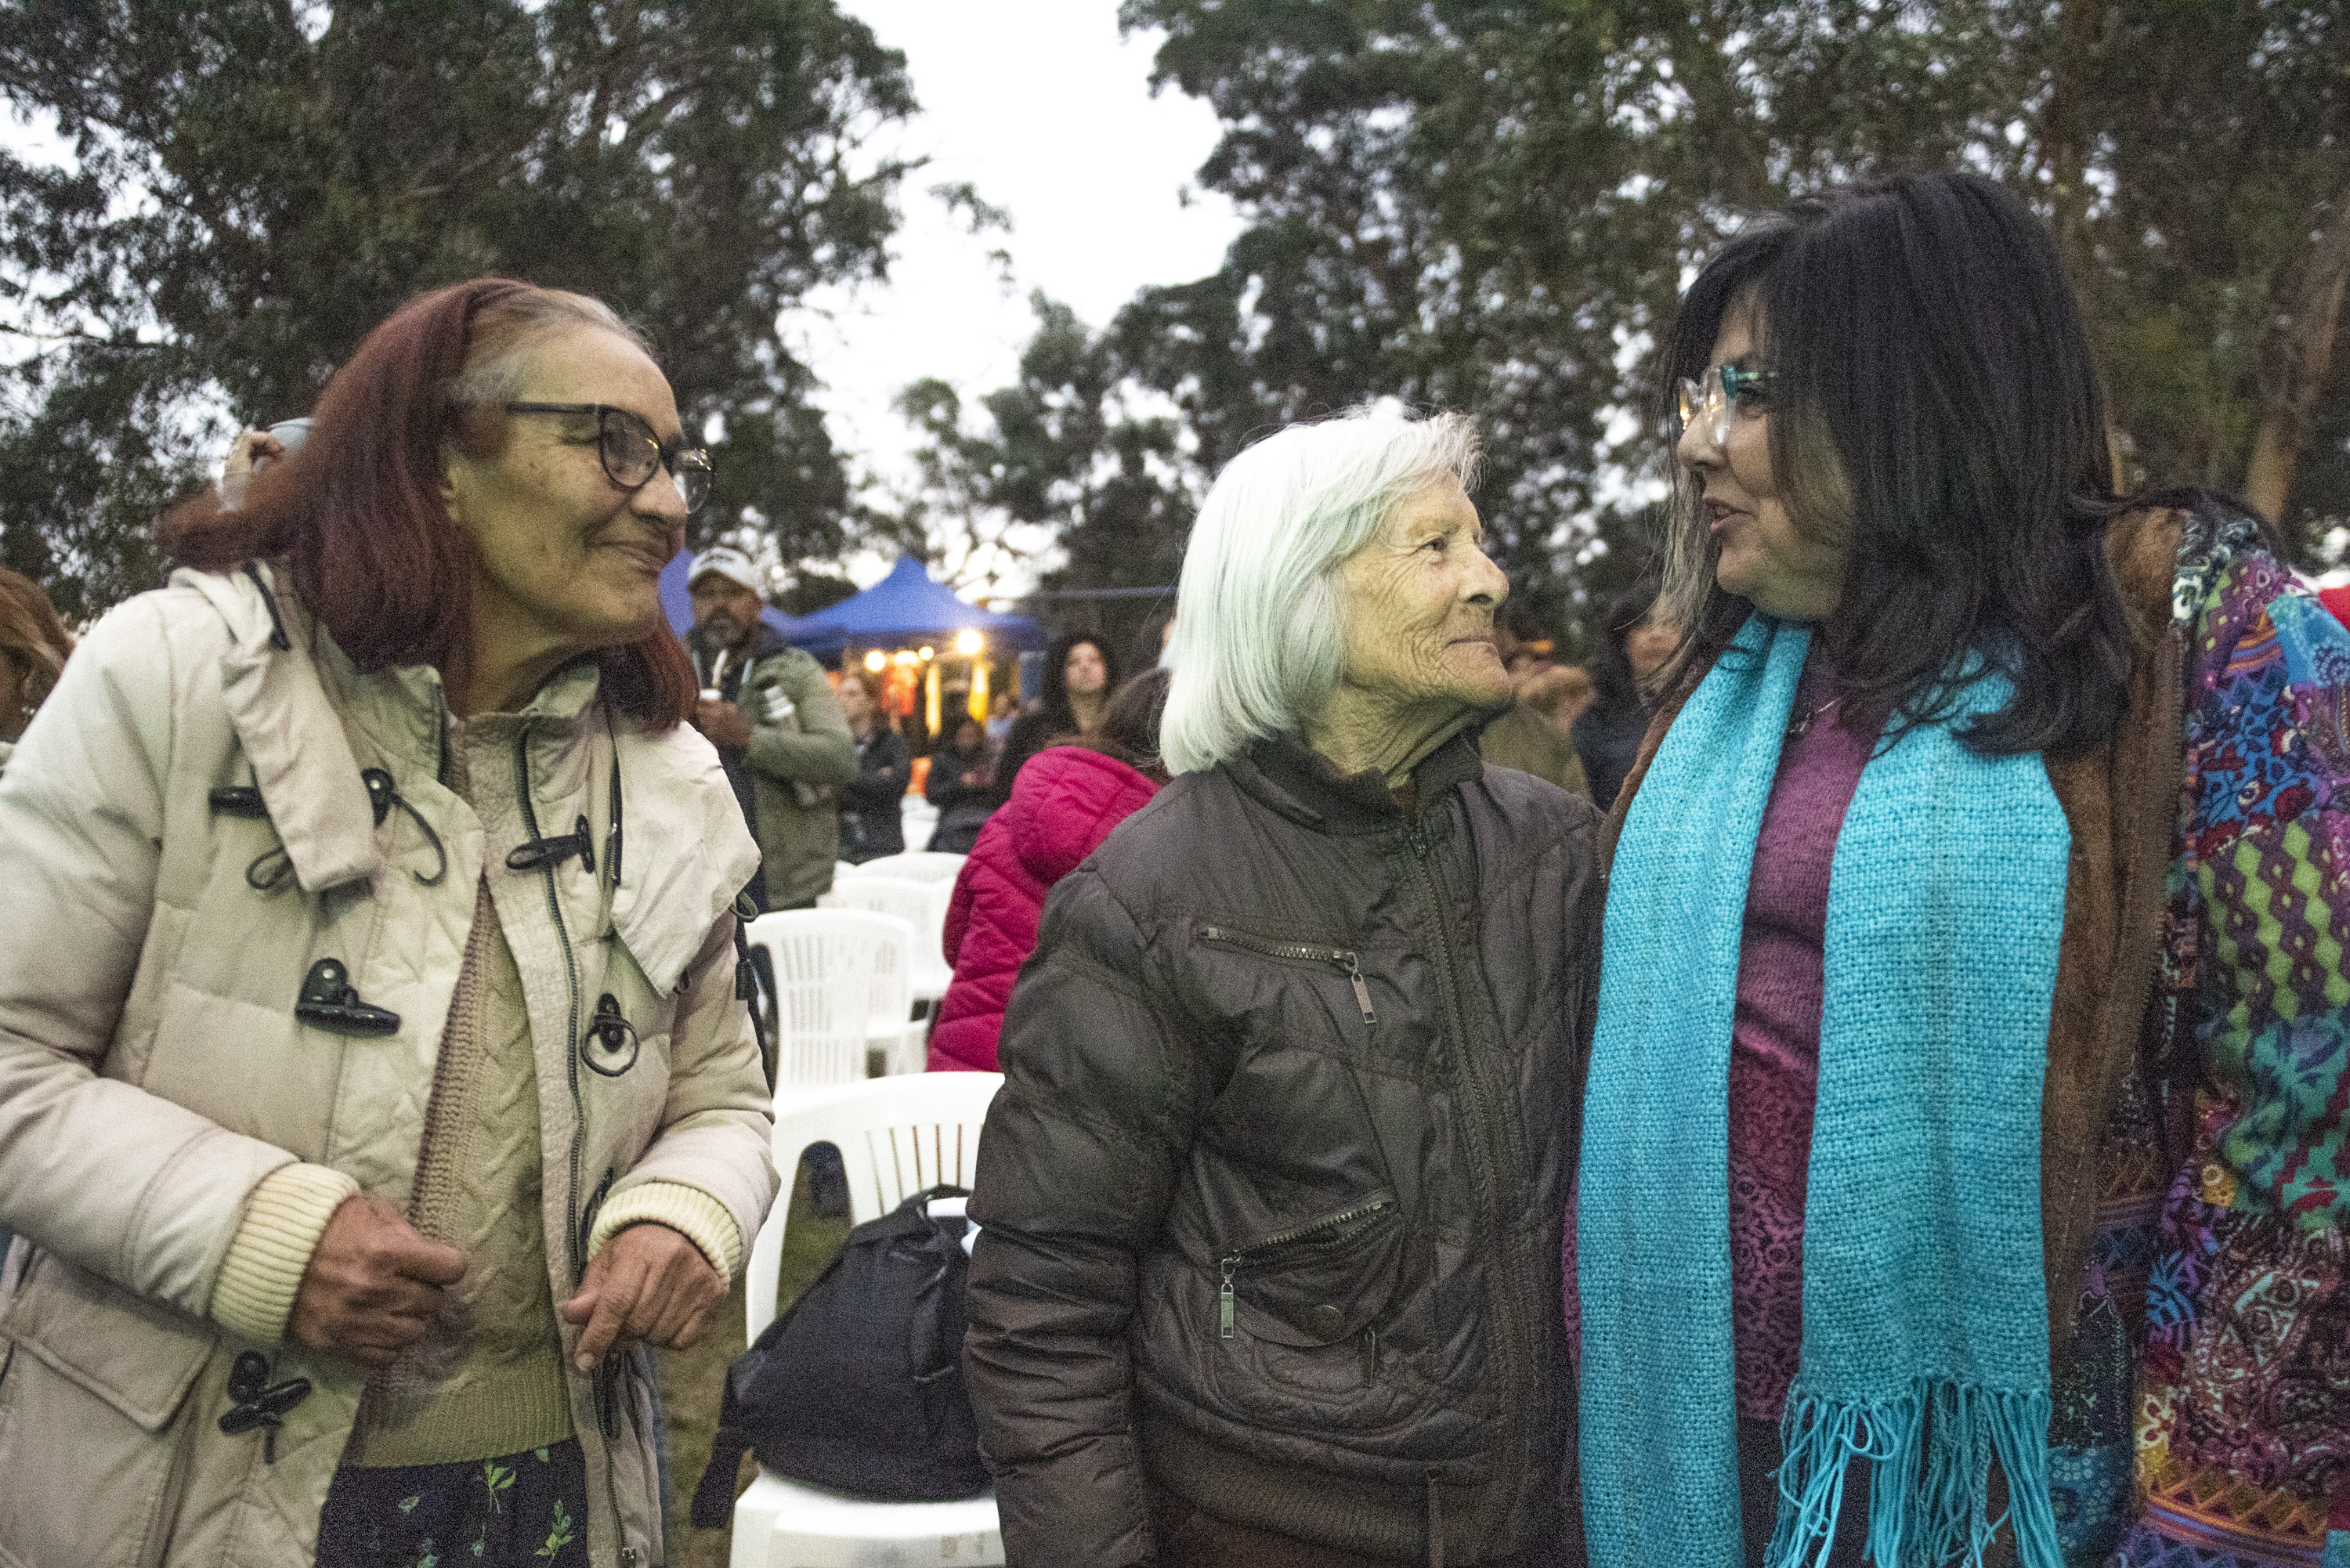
{"x":1326,"y":1323}
{"x":260,"y":1404}
{"x":329,"y":1001}
{"x":609,"y":1046}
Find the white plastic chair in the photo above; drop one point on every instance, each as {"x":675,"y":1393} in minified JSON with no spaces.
{"x":917,"y":819}
{"x":916,"y":866}
{"x":841,"y":990}
{"x":923,"y":906}
{"x":897,"y":1137}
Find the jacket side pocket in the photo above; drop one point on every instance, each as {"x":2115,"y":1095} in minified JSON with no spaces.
{"x":94,"y":1379}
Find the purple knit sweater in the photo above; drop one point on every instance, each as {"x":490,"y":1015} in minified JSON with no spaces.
{"x":1774,"y":1044}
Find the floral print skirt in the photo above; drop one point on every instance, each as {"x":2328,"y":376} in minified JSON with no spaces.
{"x":525,"y":1510}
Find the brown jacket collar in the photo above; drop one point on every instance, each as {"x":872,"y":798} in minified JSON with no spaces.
{"x":2121,"y":802}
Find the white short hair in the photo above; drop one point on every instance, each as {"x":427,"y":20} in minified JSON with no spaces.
{"x":1259,"y":637}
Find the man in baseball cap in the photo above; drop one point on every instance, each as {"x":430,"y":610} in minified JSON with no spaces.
{"x":768,"y":709}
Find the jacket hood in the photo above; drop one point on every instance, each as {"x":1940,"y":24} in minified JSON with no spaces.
{"x":302,"y":761}
{"x":1059,"y":804}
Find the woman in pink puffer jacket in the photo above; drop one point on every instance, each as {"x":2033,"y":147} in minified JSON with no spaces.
{"x":1065,"y":802}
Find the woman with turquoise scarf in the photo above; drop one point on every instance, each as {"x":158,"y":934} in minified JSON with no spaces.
{"x":1962,"y":1179}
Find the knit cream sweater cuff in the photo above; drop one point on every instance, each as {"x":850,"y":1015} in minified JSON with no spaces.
{"x":692,"y":1212}
{"x":283,"y":1222}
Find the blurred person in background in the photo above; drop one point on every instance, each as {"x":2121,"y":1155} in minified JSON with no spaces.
{"x":872,"y":805}
{"x":33,"y":644}
{"x":961,"y":786}
{"x":786,"y":745}
{"x":365,"y":1110}
{"x":1080,"y":673}
{"x":1064,"y":802}
{"x":1270,"y":1201}
{"x":1636,"y":644}
{"x":1001,"y":712}
{"x":1520,"y":737}
{"x":255,"y":449}
{"x":1559,"y":694}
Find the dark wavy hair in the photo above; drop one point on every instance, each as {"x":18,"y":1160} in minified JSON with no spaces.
{"x":1055,"y":697}
{"x":356,"y":511}
{"x":1938,"y":407}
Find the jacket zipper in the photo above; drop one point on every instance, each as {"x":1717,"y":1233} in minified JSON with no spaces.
{"x":1345,"y":960}
{"x":1279,"y":1239}
{"x":1478,"y":1128}
{"x":600,"y":1381}
{"x":571,"y":1036}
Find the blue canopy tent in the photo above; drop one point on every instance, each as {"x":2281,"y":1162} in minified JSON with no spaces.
{"x":677,"y":604}
{"x":907,"y":607}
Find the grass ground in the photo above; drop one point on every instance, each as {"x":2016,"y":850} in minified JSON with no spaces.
{"x":691,"y":1381}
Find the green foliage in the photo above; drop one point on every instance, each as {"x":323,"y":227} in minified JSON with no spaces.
{"x":257,"y":183}
{"x":1492,"y":205}
{"x":1061,"y":450}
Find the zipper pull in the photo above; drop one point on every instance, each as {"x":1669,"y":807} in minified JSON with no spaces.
{"x":1362,"y":990}
{"x":1371,"y":1354}
{"x":1224,"y":1300}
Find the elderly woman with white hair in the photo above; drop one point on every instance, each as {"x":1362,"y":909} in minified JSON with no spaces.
{"x":1272,"y":1196}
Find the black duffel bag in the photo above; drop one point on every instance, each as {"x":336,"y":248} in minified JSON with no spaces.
{"x":859,"y":1386}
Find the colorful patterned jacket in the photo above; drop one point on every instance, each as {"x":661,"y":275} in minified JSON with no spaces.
{"x":2219,"y":1266}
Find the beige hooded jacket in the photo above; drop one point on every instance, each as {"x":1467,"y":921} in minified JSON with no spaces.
{"x":153,"y":1073}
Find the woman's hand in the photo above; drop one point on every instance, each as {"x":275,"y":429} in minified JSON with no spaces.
{"x":649,"y":1282}
{"x":373,"y":1284}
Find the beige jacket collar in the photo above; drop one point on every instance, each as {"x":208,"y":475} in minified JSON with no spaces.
{"x":686,"y":851}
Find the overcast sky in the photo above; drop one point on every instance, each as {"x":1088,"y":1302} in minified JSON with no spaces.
{"x":1048,"y":112}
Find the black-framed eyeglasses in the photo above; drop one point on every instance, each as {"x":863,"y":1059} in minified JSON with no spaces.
{"x":1706,"y":401}
{"x":631,"y":454}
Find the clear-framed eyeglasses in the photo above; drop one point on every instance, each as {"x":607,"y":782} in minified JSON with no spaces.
{"x":1707,"y":401}
{"x":631,"y":454}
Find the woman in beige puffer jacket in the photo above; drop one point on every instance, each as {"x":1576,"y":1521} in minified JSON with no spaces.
{"x":373,"y":1084}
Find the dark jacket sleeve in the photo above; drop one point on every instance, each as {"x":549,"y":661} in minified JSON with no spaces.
{"x":1077,"y":1167}
{"x":944,"y":788}
{"x":884,"y":769}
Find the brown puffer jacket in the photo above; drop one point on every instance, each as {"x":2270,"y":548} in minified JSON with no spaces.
{"x":1271,"y":1194}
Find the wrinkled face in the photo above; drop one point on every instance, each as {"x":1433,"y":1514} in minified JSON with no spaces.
{"x":724,"y":608}
{"x":1085,"y":671}
{"x":1418,"y":601}
{"x":565,"y":556}
{"x":1765,"y":557}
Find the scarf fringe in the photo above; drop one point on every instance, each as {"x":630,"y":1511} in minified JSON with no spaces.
{"x":1929,"y":1493}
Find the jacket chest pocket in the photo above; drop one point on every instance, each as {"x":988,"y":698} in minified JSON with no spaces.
{"x":1275,"y":991}
{"x":1316,"y":1283}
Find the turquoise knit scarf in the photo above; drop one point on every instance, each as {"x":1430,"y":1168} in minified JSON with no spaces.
{"x":1925,"y":1322}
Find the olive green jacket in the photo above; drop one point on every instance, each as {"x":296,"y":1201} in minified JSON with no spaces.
{"x":797,"y":755}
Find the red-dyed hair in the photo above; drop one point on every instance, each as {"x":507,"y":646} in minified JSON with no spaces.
{"x":358,"y":511}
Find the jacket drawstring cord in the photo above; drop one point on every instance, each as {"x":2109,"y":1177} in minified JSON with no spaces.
{"x":1435,"y":1523}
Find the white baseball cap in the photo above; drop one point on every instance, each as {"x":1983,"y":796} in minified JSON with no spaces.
{"x":733,"y":564}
